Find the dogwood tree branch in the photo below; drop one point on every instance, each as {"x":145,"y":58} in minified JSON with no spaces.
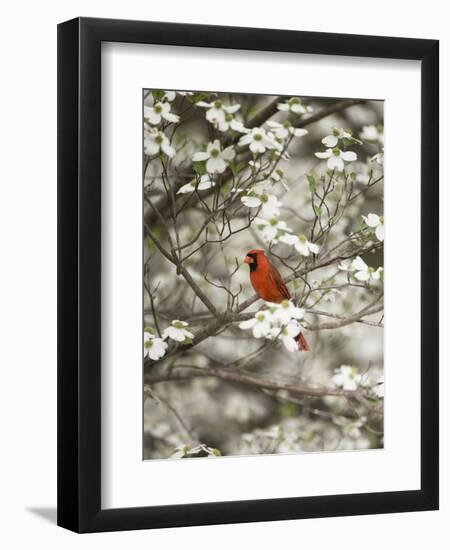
{"x":187,"y":372}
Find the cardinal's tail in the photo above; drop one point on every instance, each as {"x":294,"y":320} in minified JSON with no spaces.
{"x":301,"y":342}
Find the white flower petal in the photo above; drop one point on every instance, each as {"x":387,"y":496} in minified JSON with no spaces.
{"x":288,"y":238}
{"x":245,"y":140}
{"x":168,"y":149}
{"x":215,"y":115}
{"x":251,"y":202}
{"x":335,"y":163}
{"x":313,"y":247}
{"x":231,"y":109}
{"x":324,"y":154}
{"x":359,"y":264}
{"x":290,"y":344}
{"x":362,"y":275}
{"x":150,"y":147}
{"x":228,"y":153}
{"x":187,"y":188}
{"x":330,"y":141}
{"x":349,"y":156}
{"x":302,"y":247}
{"x":372,"y":220}
{"x":379,"y":232}
{"x":261,"y":329}
{"x":205,"y":183}
{"x":299,"y":132}
{"x":257,"y":147}
{"x":200,"y":156}
{"x":171,"y":117}
{"x":157,"y":349}
{"x":250,"y":323}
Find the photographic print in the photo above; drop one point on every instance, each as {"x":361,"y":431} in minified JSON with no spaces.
{"x":262,"y":274}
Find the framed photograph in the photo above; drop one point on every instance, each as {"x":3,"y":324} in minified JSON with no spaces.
{"x":248,"y":275}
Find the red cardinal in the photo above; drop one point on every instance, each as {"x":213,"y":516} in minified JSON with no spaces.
{"x":269,"y":284}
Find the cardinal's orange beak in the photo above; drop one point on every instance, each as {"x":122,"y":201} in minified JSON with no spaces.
{"x":248,"y":260}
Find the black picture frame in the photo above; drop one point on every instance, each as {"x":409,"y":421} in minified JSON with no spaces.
{"x":79,"y":274}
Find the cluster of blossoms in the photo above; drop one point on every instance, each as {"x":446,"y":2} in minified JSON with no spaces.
{"x":274,"y":230}
{"x":361,"y":271}
{"x":300,"y":434}
{"x":221,"y":115}
{"x":375,"y":223}
{"x":279,"y":321}
{"x":285,"y":129}
{"x":155,"y":347}
{"x":335,"y":156}
{"x":295,"y":105}
{"x":155,"y":140}
{"x":348,"y":377}
{"x":259,"y":141}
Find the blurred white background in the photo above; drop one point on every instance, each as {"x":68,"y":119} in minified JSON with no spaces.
{"x":28,"y":289}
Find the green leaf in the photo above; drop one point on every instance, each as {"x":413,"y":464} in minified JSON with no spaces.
{"x":311,"y":182}
{"x":201,"y":96}
{"x":158,"y":94}
{"x":287,"y":409}
{"x":199,"y":167}
{"x":236,"y":167}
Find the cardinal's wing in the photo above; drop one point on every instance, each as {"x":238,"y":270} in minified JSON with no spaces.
{"x":277,"y":280}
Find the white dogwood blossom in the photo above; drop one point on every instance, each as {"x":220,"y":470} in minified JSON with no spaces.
{"x":156,"y":142}
{"x":286,"y":311}
{"x":269,"y":203}
{"x":278,"y":322}
{"x":375,"y":222}
{"x":347,"y":378}
{"x":154,"y":347}
{"x":336,"y":158}
{"x":271,"y":229}
{"x":339,"y":133}
{"x":285,"y":129}
{"x":205,"y":182}
{"x":159,"y":111}
{"x":258,"y":140}
{"x":261,"y":324}
{"x":216,"y":158}
{"x":372,"y":134}
{"x":230,"y":123}
{"x":177,"y":331}
{"x":363,"y":272}
{"x":217,"y":111}
{"x":301,"y":244}
{"x":169,"y":96}
{"x":294,"y":105}
{"x":288,"y":334}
